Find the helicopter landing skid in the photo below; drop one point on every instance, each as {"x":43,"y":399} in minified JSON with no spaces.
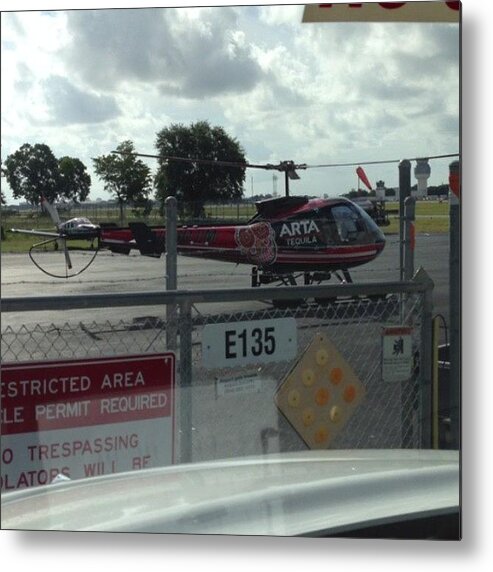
{"x":260,"y":277}
{"x":318,"y":277}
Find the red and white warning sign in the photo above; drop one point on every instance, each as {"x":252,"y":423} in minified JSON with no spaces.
{"x":82,"y":418}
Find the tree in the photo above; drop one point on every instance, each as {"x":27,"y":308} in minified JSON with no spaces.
{"x":3,"y":200}
{"x":193,"y":183}
{"x":353,"y":193}
{"x":32,"y":170}
{"x":75,"y":182}
{"x":125,"y":176}
{"x":438,"y":190}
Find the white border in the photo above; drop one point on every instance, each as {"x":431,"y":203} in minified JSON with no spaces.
{"x":76,"y":552}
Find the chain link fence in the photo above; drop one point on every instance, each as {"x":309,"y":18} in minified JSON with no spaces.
{"x":389,"y":416}
{"x":77,"y":340}
{"x":231,"y":411}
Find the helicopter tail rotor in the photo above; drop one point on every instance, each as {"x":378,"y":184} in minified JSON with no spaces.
{"x":39,"y":257}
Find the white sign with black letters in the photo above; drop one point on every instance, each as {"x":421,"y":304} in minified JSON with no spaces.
{"x":243,"y":343}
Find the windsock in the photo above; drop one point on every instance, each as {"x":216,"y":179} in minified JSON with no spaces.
{"x":362,"y":175}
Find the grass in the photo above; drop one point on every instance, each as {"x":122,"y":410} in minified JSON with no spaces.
{"x":22,"y":243}
{"x":431,"y":218}
{"x":429,"y":225}
{"x":17,"y":242}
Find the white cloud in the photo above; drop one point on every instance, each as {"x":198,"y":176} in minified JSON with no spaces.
{"x":311,"y":93}
{"x":191,"y":54}
{"x":70,"y":105}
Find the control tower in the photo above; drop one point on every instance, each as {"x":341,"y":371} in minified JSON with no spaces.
{"x":422,"y":173}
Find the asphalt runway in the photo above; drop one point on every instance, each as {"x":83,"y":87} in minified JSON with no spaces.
{"x":134,"y":273}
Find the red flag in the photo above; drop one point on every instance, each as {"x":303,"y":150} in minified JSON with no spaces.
{"x":362,"y":175}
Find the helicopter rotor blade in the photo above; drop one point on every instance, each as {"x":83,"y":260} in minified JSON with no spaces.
{"x":379,"y":162}
{"x":212,"y":162}
{"x":287,"y":167}
{"x":282,"y":166}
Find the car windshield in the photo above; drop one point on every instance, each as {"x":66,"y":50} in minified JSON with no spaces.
{"x":196,"y":367}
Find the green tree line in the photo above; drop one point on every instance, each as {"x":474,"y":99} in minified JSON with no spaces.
{"x":33,"y":171}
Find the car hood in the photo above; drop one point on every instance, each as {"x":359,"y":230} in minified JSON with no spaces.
{"x":289,"y":494}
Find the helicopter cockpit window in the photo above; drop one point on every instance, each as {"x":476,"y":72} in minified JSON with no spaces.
{"x":348,"y":223}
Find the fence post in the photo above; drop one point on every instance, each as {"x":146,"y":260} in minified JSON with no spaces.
{"x":455,"y":303}
{"x":171,"y":271}
{"x":426,"y":358}
{"x":404,"y":192}
{"x":409,"y":237}
{"x":185,"y":388}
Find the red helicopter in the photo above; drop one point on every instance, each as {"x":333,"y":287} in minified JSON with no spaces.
{"x":288,"y":236}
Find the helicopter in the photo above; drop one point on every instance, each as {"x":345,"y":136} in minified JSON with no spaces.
{"x":78,"y":228}
{"x":288,"y":237}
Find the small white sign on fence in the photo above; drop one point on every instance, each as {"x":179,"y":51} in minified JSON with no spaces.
{"x":238,"y":386}
{"x":242,"y":343}
{"x":397,"y":353}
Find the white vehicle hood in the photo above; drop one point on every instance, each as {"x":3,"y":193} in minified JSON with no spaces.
{"x":285,"y":494}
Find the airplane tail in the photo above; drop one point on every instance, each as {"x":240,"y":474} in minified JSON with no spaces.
{"x":148,"y":242}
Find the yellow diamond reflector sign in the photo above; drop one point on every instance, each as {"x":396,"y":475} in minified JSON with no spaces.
{"x":320,"y":394}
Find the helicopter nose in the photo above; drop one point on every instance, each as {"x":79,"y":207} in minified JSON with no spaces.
{"x":379,"y":239}
{"x":380,"y":244}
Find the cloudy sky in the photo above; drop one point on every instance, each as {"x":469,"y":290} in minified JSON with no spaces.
{"x":82,"y":81}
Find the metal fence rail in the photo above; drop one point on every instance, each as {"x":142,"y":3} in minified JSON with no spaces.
{"x":214,"y":425}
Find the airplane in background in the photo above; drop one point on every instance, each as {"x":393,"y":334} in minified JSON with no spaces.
{"x":74,"y":228}
{"x":79,"y":228}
